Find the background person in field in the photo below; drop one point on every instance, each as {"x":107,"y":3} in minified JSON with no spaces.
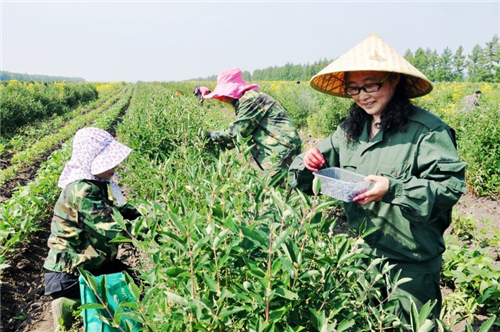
{"x":471,"y":102}
{"x":200,"y":91}
{"x":408,"y":153}
{"x":83,"y":223}
{"x":273,"y":133}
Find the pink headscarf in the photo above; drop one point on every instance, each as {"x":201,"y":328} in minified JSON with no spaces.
{"x":94,"y":151}
{"x":202,"y":89}
{"x":230,"y":84}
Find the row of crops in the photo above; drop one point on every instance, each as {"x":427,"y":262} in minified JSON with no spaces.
{"x":227,"y":251}
{"x":24,"y":103}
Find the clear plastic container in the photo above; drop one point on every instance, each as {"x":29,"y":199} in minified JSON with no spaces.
{"x":341,"y":184}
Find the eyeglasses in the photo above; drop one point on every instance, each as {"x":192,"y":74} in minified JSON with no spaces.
{"x":368,"y":88}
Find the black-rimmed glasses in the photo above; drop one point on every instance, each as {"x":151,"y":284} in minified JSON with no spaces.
{"x":368,"y":88}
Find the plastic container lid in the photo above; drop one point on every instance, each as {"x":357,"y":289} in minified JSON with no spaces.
{"x":341,"y":184}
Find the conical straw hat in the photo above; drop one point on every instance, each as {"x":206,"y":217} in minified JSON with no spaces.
{"x":372,"y":54}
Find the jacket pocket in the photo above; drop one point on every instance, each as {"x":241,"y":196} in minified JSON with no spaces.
{"x":350,"y":167}
{"x":453,"y":167}
{"x":395,"y":171}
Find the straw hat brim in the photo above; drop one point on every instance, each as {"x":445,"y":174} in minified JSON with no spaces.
{"x":372,"y":54}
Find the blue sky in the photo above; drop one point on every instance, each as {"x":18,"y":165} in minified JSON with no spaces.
{"x":172,"y":41}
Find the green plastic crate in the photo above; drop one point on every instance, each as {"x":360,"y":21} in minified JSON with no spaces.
{"x":116,"y":292}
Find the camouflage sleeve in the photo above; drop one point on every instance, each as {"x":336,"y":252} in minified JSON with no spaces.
{"x":249,"y":115}
{"x":97,"y":214}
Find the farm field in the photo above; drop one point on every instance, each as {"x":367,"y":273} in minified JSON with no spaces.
{"x":227,"y":251}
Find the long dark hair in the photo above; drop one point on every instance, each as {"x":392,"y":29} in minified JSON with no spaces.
{"x":394,"y":117}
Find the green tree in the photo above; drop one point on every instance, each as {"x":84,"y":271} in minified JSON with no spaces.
{"x":444,"y":72}
{"x":7,"y":76}
{"x":409,"y":56}
{"x":432,"y":64}
{"x":246,"y":75}
{"x":296,"y":72}
{"x":492,"y":59}
{"x":421,"y":62}
{"x":459,"y":63}
{"x":476,"y":65}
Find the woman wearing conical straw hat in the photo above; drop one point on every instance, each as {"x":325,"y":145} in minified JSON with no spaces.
{"x":407,"y":153}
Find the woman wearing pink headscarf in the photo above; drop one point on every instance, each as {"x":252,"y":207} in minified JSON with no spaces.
{"x":83,"y":224}
{"x":274,"y":136}
{"x":200,"y":92}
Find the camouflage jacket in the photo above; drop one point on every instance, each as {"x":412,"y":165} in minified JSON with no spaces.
{"x":273,"y":132}
{"x":82,"y":226}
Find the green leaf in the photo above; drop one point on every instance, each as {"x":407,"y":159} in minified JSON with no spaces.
{"x":426,"y":309}
{"x":254,"y":269}
{"x":135,"y":316}
{"x":221,"y":236}
{"x":487,"y":325}
{"x":281,"y":238}
{"x":92,"y":306}
{"x":121,"y":239}
{"x":230,"y":311}
{"x":89,"y":280}
{"x":229,"y":223}
{"x":415,"y":323}
{"x":210,"y":282}
{"x":287,"y":264}
{"x":134,"y":289}
{"x":370,"y":231}
{"x":310,"y":274}
{"x":119,"y":218}
{"x":402,"y":281}
{"x":427,"y":326}
{"x":176,"y":221}
{"x":176,"y":298}
{"x":345,"y":325}
{"x":319,"y":320}
{"x":254,"y":235}
{"x":341,"y":251}
{"x":290,"y":249}
{"x":174,"y":271}
{"x":227,"y":294}
{"x":286,"y":293}
{"x":316,"y":186}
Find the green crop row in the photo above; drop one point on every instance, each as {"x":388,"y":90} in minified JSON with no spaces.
{"x":31,"y":154}
{"x":32,"y":132}
{"x":470,"y":268}
{"x":24,"y":103}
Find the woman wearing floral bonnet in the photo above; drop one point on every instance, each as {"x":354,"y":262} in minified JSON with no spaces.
{"x":407,"y":153}
{"x":83,"y":223}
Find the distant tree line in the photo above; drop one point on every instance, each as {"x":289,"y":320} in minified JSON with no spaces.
{"x":7,"y":76}
{"x":481,"y":65}
{"x":247,"y":76}
{"x":290,"y":72}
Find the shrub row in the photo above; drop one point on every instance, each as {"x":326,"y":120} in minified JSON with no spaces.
{"x":24,"y":103}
